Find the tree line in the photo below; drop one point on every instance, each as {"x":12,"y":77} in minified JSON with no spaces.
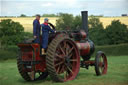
{"x":12,"y":32}
{"x":115,"y":33}
{"x":42,"y":15}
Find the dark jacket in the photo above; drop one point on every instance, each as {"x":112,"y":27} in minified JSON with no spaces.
{"x":45,"y":34}
{"x":36,"y":30}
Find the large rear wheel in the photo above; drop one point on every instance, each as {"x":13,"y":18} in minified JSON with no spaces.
{"x":63,"y":59}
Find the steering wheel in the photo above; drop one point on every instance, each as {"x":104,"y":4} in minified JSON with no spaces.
{"x":52,"y":26}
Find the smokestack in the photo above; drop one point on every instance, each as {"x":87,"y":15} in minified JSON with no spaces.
{"x":85,"y":21}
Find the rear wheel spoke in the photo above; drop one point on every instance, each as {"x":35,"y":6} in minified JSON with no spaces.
{"x":59,"y":63}
{"x":70,"y":50}
{"x":67,"y":49}
{"x":58,"y":69}
{"x":56,"y":59}
{"x":72,"y":60}
{"x":65,"y":45}
{"x":70,"y":55}
{"x":62,"y":69}
{"x":62,"y":50}
{"x":69,"y":69}
{"x":65,"y":75}
{"x":59,"y":56}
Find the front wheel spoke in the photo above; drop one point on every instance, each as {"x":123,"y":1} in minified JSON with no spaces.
{"x":101,"y":69}
{"x":101,"y":64}
{"x":101,"y":59}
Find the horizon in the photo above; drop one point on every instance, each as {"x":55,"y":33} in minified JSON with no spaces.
{"x":68,"y":13}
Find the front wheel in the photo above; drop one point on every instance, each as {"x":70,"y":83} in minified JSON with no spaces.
{"x":100,"y":63}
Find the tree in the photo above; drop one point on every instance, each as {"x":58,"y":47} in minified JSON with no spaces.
{"x":22,"y":15}
{"x":77,"y":23}
{"x":97,"y":32}
{"x":98,"y":36}
{"x":49,"y":15}
{"x":117,"y":32}
{"x":11,"y":32}
{"x":94,"y":22}
{"x":65,"y":21}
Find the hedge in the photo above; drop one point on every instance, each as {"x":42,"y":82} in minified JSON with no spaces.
{"x":9,"y":52}
{"x":111,"y":50}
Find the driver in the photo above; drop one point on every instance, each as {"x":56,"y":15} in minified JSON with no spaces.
{"x":45,"y":34}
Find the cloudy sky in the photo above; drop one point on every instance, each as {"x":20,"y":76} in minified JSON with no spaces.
{"x":32,"y":7}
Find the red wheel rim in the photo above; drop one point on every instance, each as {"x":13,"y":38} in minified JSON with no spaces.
{"x":67,"y":60}
{"x":103,"y":64}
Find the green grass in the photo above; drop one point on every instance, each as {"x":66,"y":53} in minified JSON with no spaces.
{"x":117,"y":74}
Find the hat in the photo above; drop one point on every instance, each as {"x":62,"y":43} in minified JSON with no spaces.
{"x":38,"y":15}
{"x":46,"y":19}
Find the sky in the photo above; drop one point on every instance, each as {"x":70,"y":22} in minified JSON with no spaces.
{"x":32,"y":7}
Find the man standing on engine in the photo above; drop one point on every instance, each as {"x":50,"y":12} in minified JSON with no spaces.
{"x":36,"y":29}
{"x":45,"y":34}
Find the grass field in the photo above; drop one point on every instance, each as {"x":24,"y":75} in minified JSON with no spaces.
{"x":27,"y":22}
{"x":117,"y":74}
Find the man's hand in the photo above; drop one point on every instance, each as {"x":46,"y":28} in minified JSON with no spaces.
{"x":35,"y":36}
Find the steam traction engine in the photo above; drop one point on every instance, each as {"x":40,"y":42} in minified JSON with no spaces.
{"x":62,"y":60}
